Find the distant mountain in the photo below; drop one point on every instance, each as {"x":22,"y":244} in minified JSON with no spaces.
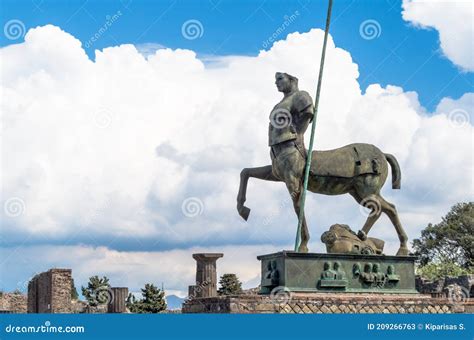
{"x":174,"y":302}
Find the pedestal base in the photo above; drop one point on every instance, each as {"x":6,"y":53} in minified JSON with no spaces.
{"x":342,"y":273}
{"x":324,"y":303}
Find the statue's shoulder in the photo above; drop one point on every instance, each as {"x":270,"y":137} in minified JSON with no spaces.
{"x":302,"y":100}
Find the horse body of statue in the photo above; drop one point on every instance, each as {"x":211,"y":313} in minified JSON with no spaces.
{"x":332,"y":172}
{"x":356,"y":169}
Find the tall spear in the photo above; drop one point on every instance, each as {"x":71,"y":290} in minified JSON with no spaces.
{"x":313,"y":128}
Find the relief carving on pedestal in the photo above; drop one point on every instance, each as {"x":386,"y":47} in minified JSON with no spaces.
{"x":333,"y":278}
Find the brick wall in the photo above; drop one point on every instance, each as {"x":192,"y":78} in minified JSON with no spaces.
{"x":324,"y":303}
{"x":13,"y":303}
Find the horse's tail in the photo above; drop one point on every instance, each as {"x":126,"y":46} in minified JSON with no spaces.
{"x":396,"y":173}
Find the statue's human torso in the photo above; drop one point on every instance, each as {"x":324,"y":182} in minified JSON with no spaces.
{"x":286,"y":119}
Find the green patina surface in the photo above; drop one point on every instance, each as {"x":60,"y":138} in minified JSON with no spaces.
{"x":313,"y":272}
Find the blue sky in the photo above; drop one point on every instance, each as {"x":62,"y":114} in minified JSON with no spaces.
{"x":101,"y":155}
{"x":402,"y":55}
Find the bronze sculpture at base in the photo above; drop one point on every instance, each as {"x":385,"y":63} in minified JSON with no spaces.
{"x":341,"y":239}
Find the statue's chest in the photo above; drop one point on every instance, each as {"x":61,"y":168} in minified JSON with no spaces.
{"x":285,"y":104}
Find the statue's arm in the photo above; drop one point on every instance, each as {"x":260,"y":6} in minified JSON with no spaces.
{"x":303,"y":120}
{"x":304,"y":107}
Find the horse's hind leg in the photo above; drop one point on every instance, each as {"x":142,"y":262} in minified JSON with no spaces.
{"x":378,"y":204}
{"x":371,"y":202}
{"x":262,"y":172}
{"x":390,"y":210}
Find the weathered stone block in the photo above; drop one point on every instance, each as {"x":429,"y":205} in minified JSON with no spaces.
{"x":50,"y":292}
{"x":117,"y":303}
{"x":13,"y":303}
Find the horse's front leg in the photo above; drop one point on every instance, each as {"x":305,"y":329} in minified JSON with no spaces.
{"x":295,"y":189}
{"x":263,"y":173}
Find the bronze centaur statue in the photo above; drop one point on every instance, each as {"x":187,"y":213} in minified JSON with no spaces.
{"x":356,"y":169}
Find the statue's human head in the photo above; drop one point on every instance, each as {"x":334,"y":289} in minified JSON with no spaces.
{"x":376,"y":268}
{"x":368,"y":267}
{"x":337,"y":265}
{"x":390,"y":270}
{"x":285,"y":82}
{"x":326,"y":265}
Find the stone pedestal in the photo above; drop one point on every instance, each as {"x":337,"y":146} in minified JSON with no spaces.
{"x":325,"y":283}
{"x":351,"y":273}
{"x":206,"y":275}
{"x":118,"y":299}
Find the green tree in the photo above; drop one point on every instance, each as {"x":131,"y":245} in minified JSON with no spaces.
{"x":97,"y":290}
{"x":132,"y":303}
{"x":152,"y":301}
{"x":451,"y":241}
{"x":74,"y":294}
{"x":434,"y":271}
{"x":229,"y":285}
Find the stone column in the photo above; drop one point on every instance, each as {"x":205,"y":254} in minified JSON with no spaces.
{"x":206,"y":274}
{"x":118,"y":297}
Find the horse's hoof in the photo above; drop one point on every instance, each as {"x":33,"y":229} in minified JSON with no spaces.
{"x":362,"y":235}
{"x":403,"y":251}
{"x":244,"y":212}
{"x":302,"y":249}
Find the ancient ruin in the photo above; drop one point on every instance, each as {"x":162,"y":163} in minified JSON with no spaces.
{"x":50,"y":292}
{"x":117,"y":300}
{"x":15,"y":302}
{"x":206,"y":275}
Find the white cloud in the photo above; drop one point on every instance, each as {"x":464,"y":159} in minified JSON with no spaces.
{"x":459,"y":111}
{"x":148,"y":49}
{"x":104,"y":153}
{"x":453,"y":21}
